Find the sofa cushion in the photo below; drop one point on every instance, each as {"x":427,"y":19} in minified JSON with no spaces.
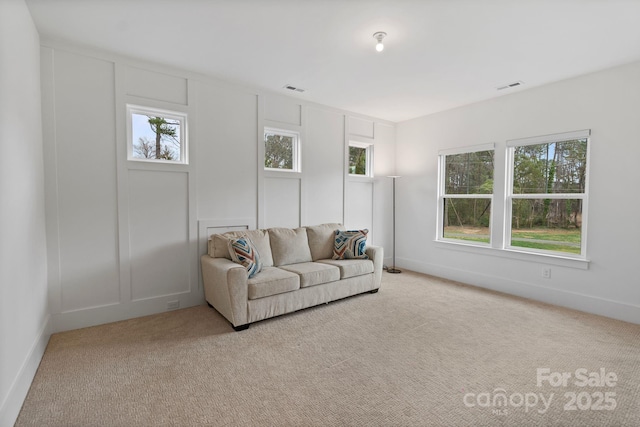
{"x":260,"y":238}
{"x":350,"y":244}
{"x":243,"y":252}
{"x":321,"y":240}
{"x":314,"y":273}
{"x":272,"y":281}
{"x":289,"y":246}
{"x":350,"y":267}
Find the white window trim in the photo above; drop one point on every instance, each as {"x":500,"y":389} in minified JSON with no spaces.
{"x":368,"y":161}
{"x":150,"y":111}
{"x":545,"y":139}
{"x":467,"y":149}
{"x":442,"y":195}
{"x":546,"y":258}
{"x":498,"y":234}
{"x":510,"y":196}
{"x":296,"y":161}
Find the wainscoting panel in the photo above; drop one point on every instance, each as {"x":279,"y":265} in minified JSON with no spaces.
{"x":159,"y":233}
{"x":283,"y":110}
{"x":146,"y":84}
{"x":86,"y":182}
{"x":361,"y":127}
{"x":281,"y":202}
{"x":207,"y":227}
{"x":359,"y":212}
{"x":323,"y":161}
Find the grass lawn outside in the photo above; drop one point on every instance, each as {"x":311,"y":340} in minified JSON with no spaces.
{"x":559,"y":240}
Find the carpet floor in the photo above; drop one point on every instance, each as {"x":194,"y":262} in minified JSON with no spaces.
{"x":421,"y":352}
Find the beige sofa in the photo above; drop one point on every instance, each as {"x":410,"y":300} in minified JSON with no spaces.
{"x":297,"y":272}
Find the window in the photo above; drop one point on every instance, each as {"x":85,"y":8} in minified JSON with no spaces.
{"x":360,"y":159}
{"x":156,"y":135}
{"x":466,"y":195}
{"x":547,"y":193}
{"x":281,"y":150}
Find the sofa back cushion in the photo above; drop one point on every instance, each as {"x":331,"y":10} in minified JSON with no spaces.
{"x":289,"y":246}
{"x":321,"y":240}
{"x":219,"y":244}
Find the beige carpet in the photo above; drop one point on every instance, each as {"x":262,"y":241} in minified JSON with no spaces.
{"x":423,"y":351}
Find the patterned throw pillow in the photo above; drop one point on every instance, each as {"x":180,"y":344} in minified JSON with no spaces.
{"x":350,"y":244}
{"x":245,"y":253}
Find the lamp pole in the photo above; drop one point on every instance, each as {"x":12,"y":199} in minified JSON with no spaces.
{"x":393,"y":269}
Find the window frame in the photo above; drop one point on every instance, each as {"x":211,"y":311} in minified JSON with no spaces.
{"x":295,"y":152}
{"x":443,"y":195}
{"x":368,"y":160}
{"x":510,"y":195}
{"x":132,"y":109}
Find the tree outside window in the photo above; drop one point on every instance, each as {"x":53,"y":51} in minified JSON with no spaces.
{"x":547,"y":195}
{"x":467,"y":196}
{"x":360,"y":159}
{"x":156,"y":135}
{"x":543,"y":206}
{"x":281,"y":150}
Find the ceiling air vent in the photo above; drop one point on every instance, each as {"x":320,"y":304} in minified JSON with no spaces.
{"x":293,"y":88}
{"x":511,"y":85}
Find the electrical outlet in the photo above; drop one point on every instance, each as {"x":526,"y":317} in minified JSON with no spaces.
{"x":546,"y":272}
{"x":172,"y":305}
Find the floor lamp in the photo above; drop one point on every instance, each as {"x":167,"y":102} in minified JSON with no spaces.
{"x":393,"y":269}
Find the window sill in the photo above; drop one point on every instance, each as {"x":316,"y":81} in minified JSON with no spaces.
{"x":360,"y":178}
{"x":563,"y":261}
{"x":157,"y":165}
{"x":282,"y":173}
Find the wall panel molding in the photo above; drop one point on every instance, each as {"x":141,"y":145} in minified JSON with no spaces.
{"x":224,"y":179}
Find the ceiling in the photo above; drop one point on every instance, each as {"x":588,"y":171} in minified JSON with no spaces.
{"x":439,"y":54}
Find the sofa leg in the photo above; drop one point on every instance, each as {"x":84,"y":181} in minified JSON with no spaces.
{"x":241,"y":327}
{"x":373,"y":291}
{"x":209,"y":304}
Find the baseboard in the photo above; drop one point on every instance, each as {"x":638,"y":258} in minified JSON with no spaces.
{"x":92,"y":316}
{"x":10,"y":408}
{"x":577,"y":301}
{"x":387,"y":261}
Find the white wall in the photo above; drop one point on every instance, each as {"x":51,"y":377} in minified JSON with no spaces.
{"x":606,"y":102}
{"x":24,"y":315}
{"x":376,"y":193}
{"x":125,"y":237}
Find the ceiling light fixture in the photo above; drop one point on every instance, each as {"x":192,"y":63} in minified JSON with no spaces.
{"x":379,"y":36}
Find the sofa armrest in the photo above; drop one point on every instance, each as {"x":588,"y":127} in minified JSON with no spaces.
{"x":376,"y":254}
{"x":225,"y":288}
